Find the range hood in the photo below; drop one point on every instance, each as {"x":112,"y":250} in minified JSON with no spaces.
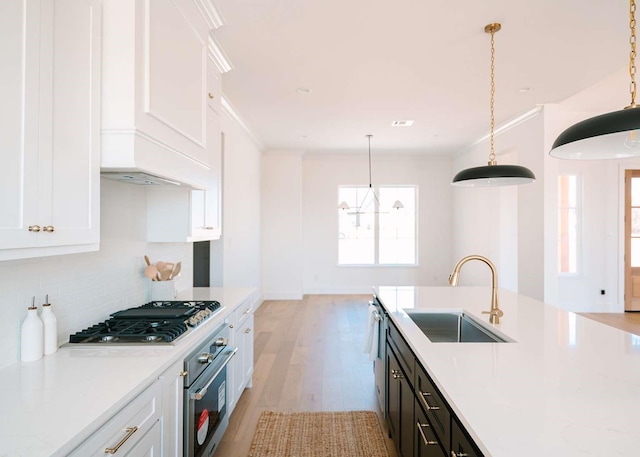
{"x":141,"y":178}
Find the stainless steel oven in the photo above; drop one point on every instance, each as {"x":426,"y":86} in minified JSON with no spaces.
{"x":205,"y":394}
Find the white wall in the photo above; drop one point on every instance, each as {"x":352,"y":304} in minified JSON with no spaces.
{"x":237,"y":254}
{"x":282,"y":225}
{"x":321,"y":174}
{"x":85,"y":288}
{"x":504,"y":224}
{"x":602,"y":248}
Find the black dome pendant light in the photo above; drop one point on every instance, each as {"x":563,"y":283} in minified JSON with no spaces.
{"x":613,"y":135}
{"x":493,"y":174}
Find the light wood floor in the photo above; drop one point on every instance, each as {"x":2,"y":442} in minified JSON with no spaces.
{"x":308,"y":357}
{"x":629,"y":322}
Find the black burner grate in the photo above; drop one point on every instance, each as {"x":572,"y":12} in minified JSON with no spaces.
{"x":131,"y":331}
{"x":208,"y":304}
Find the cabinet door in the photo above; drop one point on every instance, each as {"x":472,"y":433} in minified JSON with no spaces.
{"x":49,"y":124}
{"x":243,"y":367}
{"x":393,"y":395}
{"x":407,"y":424}
{"x":247,"y":347}
{"x":69,"y":175}
{"x":172,"y":410}
{"x":20,"y":95}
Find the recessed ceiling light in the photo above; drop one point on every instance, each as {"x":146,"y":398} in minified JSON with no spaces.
{"x":304,"y":90}
{"x":402,"y":123}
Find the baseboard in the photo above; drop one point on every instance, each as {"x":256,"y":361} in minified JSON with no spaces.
{"x":367,"y":290}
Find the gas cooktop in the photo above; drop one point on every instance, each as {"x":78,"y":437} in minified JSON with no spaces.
{"x":157,"y":322}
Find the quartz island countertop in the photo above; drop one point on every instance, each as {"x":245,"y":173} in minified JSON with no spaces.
{"x":565,"y":386}
{"x":49,"y":406}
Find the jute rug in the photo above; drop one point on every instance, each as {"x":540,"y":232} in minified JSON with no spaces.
{"x":336,"y":434}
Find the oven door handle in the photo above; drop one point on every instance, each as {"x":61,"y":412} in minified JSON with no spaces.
{"x":199,"y":395}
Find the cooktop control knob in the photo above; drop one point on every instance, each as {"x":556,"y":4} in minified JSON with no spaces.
{"x":199,"y":317}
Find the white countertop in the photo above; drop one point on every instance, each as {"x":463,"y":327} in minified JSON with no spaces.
{"x":49,"y":406}
{"x":567,"y":386}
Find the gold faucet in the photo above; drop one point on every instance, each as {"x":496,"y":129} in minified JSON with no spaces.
{"x":496,"y":313}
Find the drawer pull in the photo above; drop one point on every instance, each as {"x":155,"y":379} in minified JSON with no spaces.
{"x":247,"y":311}
{"x":34,"y":228}
{"x":113,"y":450}
{"x":247,"y":330}
{"x":424,"y":438}
{"x":398,"y":376}
{"x":424,"y":396}
{"x":458,"y":454}
{"x":48,"y":228}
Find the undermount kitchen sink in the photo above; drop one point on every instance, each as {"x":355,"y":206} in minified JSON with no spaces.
{"x":454,"y":327}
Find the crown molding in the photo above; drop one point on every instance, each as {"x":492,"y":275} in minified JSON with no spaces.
{"x":233,"y":113}
{"x":218,"y":56}
{"x":211,"y":13}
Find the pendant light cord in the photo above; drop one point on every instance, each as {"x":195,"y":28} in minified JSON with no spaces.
{"x":369,"y":136}
{"x":632,"y":54}
{"x":492,"y":28}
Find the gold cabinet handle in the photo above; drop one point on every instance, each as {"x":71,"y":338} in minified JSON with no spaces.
{"x":424,"y":396}
{"x":247,"y":330}
{"x":458,"y":454}
{"x":210,"y":95}
{"x":113,"y":450}
{"x":48,"y":228}
{"x":424,"y":437}
{"x":230,"y":325}
{"x":34,"y":228}
{"x":248,"y":311}
{"x":183,"y":373}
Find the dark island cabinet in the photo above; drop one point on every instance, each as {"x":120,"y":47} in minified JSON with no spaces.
{"x":426,"y":441}
{"x":420,"y":421}
{"x":461,"y":444}
{"x":400,"y":400}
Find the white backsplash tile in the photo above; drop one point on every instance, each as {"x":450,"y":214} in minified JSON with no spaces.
{"x":85,"y":288}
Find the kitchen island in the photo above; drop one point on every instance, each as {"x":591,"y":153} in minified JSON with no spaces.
{"x":50,"y":406}
{"x":564,"y":385}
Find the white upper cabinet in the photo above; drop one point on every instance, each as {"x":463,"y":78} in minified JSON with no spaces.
{"x":156,"y":89}
{"x":49,"y":127}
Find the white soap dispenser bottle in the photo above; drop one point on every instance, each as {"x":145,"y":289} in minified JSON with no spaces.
{"x":50,"y":324}
{"x":32,"y":335}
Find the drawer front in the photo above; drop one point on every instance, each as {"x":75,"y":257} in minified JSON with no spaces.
{"x":426,"y":441}
{"x":243,"y":311}
{"x":127,"y":427}
{"x":434,"y":405}
{"x":402,"y":350}
{"x":461,"y":444}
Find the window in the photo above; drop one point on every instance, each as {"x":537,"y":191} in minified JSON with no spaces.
{"x":371,"y":231}
{"x":568,"y":223}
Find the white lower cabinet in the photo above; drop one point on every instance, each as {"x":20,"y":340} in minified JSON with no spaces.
{"x":127,"y":432}
{"x":151,"y":425}
{"x":172,"y":410}
{"x":241,"y":366}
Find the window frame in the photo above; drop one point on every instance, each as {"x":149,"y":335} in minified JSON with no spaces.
{"x":579,"y":225}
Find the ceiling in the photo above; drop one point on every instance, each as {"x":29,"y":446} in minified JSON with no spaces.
{"x":369,"y":63}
